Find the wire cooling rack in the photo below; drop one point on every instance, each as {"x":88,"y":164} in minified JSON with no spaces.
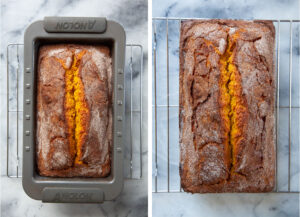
{"x":165,"y":51}
{"x":133,"y":110}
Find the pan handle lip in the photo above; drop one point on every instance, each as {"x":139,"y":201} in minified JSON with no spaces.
{"x":75,"y":24}
{"x":72,"y":195}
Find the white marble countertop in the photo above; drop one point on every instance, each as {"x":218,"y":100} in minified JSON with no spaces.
{"x":15,"y":17}
{"x":213,"y":205}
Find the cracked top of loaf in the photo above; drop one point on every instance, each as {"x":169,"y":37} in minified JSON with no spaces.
{"x":74,"y":110}
{"x":227,"y":106}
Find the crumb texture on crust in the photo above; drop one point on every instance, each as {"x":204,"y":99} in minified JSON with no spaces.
{"x":227,"y":89}
{"x":74,"y":111}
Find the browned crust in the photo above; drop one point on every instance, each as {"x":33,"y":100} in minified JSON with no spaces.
{"x":203,"y":159}
{"x":97,"y":81}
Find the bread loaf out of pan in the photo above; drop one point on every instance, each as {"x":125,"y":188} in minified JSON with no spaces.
{"x":227,"y":103}
{"x":74,"y":111}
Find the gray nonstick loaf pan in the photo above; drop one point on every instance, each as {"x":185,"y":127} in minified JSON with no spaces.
{"x":87,"y":30}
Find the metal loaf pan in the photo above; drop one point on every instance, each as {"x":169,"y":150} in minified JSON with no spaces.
{"x":91,"y":31}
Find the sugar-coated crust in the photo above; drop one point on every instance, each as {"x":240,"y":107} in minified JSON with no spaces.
{"x":56,"y":153}
{"x":227,"y":106}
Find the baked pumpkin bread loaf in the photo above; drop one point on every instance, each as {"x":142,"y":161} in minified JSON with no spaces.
{"x":227,"y":102}
{"x":74,"y":111}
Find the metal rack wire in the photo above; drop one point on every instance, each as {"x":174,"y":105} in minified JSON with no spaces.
{"x":133,"y":109}
{"x":165,"y":174}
